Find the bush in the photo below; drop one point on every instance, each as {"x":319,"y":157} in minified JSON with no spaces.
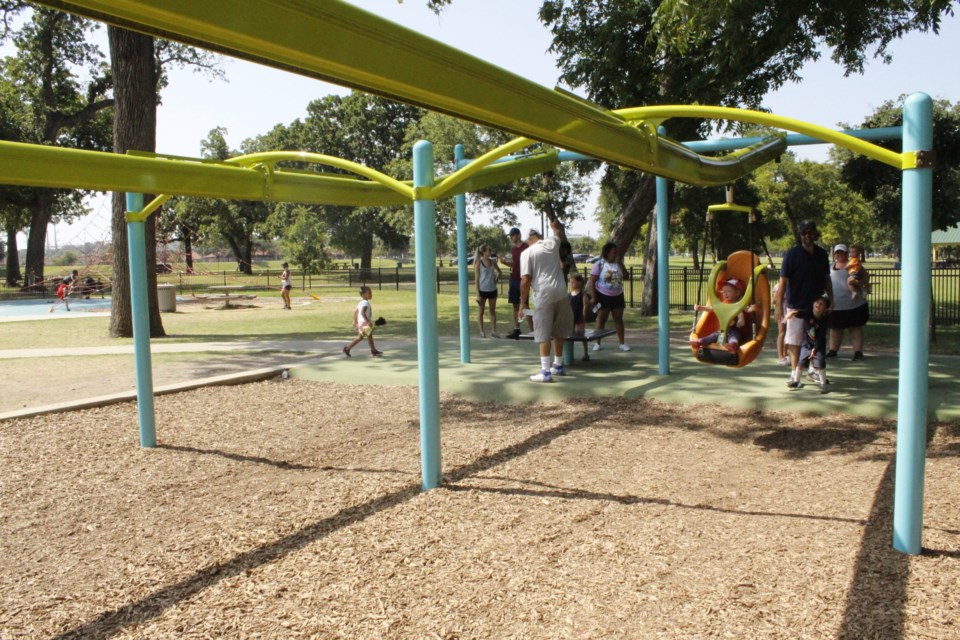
{"x":66,"y":259}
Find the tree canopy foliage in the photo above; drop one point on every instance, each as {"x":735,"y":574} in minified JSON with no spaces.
{"x":881,"y":184}
{"x":728,"y":52}
{"x":55,"y":91}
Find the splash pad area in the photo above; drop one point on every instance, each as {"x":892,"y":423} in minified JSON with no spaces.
{"x":45,"y":308}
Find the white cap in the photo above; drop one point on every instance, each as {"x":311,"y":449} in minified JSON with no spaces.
{"x":840,"y":247}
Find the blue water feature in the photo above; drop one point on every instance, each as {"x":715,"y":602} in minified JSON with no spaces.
{"x":10,"y":309}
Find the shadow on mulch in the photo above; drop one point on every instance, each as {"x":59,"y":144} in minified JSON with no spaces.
{"x":875,"y":600}
{"x":878,"y":591}
{"x":111,"y":623}
{"x":279,"y":464}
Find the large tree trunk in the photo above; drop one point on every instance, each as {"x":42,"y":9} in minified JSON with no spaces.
{"x":640,"y":208}
{"x":13,"y":258}
{"x":241,"y":252}
{"x":134,"y":128}
{"x":41,"y":210}
{"x":648,"y":299}
{"x":186,"y":237}
{"x":366,"y":251}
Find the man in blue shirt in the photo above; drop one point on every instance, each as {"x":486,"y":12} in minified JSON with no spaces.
{"x":804,"y":277}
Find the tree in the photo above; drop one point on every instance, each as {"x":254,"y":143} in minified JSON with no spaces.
{"x":490,"y":235}
{"x":637,"y":52}
{"x":239,"y":223}
{"x":368,"y":130}
{"x":176,"y":223}
{"x":794,"y":190}
{"x":881,"y":184}
{"x":304,"y":241}
{"x":138,"y":63}
{"x":563,"y":192}
{"x":53,"y":106}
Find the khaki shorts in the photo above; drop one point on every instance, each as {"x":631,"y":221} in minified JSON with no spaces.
{"x":554,"y":319}
{"x":794,"y":334}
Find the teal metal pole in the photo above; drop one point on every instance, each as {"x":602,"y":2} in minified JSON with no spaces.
{"x":137,"y":254}
{"x":425,"y":231}
{"x":914,"y":322}
{"x":663,"y":275}
{"x":462,"y":279}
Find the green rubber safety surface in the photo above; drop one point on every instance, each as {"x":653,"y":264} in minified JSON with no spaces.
{"x":499,"y":372}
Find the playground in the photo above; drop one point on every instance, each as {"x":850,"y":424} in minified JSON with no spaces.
{"x":603,"y":505}
{"x":293,"y":508}
{"x":639,"y":496}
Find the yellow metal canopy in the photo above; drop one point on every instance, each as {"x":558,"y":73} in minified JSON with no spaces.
{"x":338,"y":42}
{"x":335,"y":41}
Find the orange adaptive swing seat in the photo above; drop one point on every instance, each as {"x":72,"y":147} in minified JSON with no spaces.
{"x":744,"y":265}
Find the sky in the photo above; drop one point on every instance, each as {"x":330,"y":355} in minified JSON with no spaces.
{"x":255,"y":98}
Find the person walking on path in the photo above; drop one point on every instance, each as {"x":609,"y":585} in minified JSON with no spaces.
{"x":363,"y":323}
{"x":606,"y":282}
{"x":540,"y":269}
{"x":486,"y":273}
{"x":513,"y":296}
{"x":849,"y":313}
{"x":285,"y":285}
{"x":804,"y":277}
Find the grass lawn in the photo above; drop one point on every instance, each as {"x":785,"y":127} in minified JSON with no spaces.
{"x":331,"y":318}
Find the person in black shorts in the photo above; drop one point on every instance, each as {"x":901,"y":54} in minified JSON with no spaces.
{"x":849,"y":314}
{"x":486,"y":275}
{"x":513,"y":296}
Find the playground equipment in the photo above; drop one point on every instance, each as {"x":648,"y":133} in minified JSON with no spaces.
{"x":334,"y":41}
{"x":744,"y":266}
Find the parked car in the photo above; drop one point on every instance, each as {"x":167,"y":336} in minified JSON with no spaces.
{"x":456,"y":261}
{"x":583,"y":257}
{"x":163,"y":267}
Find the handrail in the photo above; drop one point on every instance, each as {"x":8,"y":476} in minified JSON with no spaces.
{"x":666,"y":112}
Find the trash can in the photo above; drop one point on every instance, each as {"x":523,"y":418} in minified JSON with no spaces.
{"x":167,"y":297}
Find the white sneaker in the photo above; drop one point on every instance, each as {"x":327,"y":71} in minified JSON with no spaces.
{"x":784,"y":361}
{"x":596,"y":347}
{"x":543,"y":376}
{"x":624,"y":347}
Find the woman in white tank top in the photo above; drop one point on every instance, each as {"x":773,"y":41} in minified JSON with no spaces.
{"x":486,"y":273}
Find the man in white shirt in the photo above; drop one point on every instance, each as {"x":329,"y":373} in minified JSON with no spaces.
{"x":541,"y":270}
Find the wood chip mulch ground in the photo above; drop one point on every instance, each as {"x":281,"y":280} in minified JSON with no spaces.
{"x":292,"y":509}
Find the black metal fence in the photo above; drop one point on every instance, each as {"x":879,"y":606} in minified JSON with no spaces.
{"x":687,"y":286}
{"x":267,"y":279}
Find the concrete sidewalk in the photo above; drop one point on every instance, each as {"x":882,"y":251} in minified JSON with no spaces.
{"x":163,"y":346}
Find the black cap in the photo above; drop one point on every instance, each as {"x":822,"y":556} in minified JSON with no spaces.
{"x":808,"y":225}
{"x":514,"y":232}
